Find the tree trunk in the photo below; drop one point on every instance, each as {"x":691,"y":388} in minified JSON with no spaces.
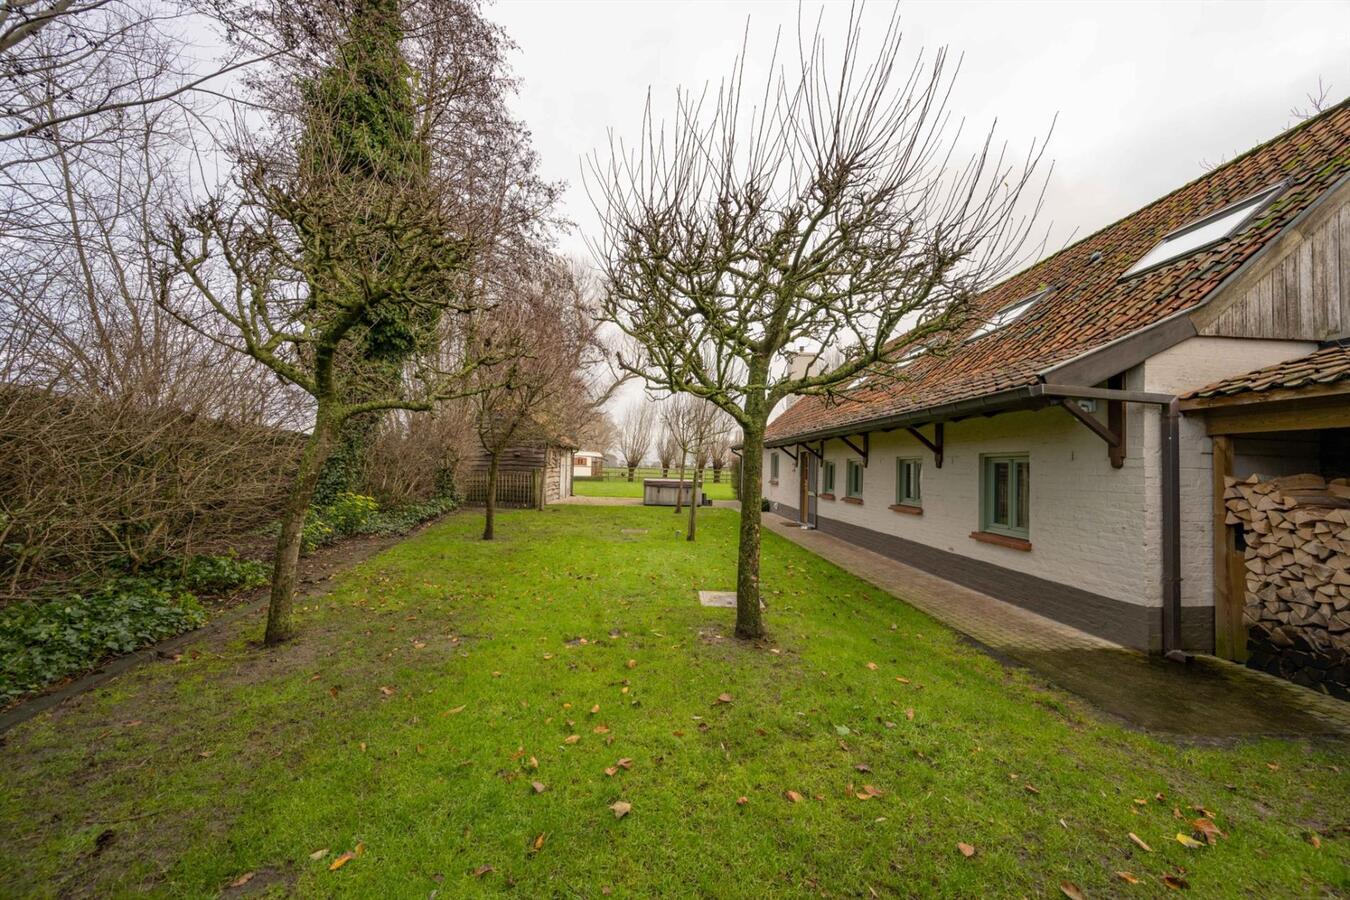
{"x":679,"y":493}
{"x":717,"y":473}
{"x":693,"y":505}
{"x":749,"y":622}
{"x":490,"y":496}
{"x":281,"y":605}
{"x":630,"y":472}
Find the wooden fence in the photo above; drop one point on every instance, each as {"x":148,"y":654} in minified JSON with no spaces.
{"x":519,"y":489}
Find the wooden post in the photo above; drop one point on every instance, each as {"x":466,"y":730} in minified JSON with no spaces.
{"x":1230,"y":583}
{"x":537,"y":487}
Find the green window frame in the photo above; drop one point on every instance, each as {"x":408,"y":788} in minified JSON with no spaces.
{"x":908,"y":481}
{"x":1005,"y":506}
{"x":854,"y":474}
{"x":827,"y":478}
{"x":773,"y":466}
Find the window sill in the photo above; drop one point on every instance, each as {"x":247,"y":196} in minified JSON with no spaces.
{"x":907,"y":509}
{"x":824,"y":496}
{"x":855,"y":500}
{"x":773,"y":481}
{"x":1001,"y":540}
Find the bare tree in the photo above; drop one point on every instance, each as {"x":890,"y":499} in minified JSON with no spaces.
{"x":636,"y":430}
{"x":691,"y":421}
{"x":667,"y":450}
{"x":86,"y":63}
{"x":837,"y":211}
{"x":544,"y":338}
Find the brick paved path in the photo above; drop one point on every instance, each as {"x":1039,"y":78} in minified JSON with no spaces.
{"x":1210,"y":698}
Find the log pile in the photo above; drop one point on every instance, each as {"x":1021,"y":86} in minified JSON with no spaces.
{"x":1297,"y":558}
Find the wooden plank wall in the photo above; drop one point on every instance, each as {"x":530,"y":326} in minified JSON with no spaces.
{"x":1303,"y":294}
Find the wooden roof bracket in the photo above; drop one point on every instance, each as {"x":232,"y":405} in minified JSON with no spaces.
{"x":790,"y":455}
{"x":818,"y":454}
{"x":861,"y":451}
{"x":1113,"y":432}
{"x":934,"y":445}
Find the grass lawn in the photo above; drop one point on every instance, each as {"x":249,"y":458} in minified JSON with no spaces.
{"x":719,"y":491}
{"x":438,"y":680}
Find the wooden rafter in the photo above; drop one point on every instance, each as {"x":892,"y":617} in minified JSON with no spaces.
{"x":1071,"y":407}
{"x":934,"y":446}
{"x":861,"y":451}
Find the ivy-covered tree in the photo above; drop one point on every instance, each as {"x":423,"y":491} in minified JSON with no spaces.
{"x":335,"y":261}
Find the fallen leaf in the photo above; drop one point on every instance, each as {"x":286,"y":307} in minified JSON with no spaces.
{"x":601,"y":729}
{"x":1175,"y":882}
{"x":902,"y":680}
{"x":538,"y":843}
{"x":595,"y":708}
{"x":863,"y":767}
{"x":341,"y":861}
{"x":1140,"y":841}
{"x":1030,"y":789}
{"x":871,"y":791}
{"x":452,"y":712}
{"x":1070,"y":890}
{"x":482,"y":870}
{"x":534,"y":763}
{"x":621,"y":808}
{"x":872,"y":666}
{"x":966,"y":850}
{"x":632,"y":664}
{"x":842,"y":730}
{"x":741,"y":801}
{"x":1274,"y":767}
{"x":319,"y":854}
{"x":242,"y":880}
{"x":359,"y":849}
{"x":1209,"y":830}
{"x":793,"y":796}
{"x":612,"y":771}
{"x":909,"y":714}
{"x":1315,"y":841}
{"x":1186,"y":840}
{"x":1139,"y":801}
{"x":387,"y":691}
{"x":571,"y":739}
{"x":722,"y":698}
{"x":1127,"y":878}
{"x":538,"y":786}
{"x":419,"y":645}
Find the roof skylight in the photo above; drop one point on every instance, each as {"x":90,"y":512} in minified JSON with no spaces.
{"x":1204,"y":232}
{"x":1007,"y":315}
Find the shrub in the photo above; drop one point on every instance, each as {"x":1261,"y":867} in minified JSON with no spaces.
{"x":202,"y":574}
{"x":43,"y":642}
{"x":349,"y":513}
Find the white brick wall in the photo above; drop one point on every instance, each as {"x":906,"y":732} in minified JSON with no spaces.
{"x":1189,"y":365}
{"x":1083,"y":512}
{"x":1092,"y":527}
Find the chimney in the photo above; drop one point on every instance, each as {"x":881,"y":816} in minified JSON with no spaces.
{"x":801,"y":363}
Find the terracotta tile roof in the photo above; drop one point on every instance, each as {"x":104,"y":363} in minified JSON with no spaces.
{"x":1326,"y":366}
{"x":1089,"y":305}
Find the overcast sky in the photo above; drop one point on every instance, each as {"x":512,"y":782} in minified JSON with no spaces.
{"x":1145,"y":92}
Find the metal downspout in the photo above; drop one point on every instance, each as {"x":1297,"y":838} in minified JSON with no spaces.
{"x":1171,"y":531}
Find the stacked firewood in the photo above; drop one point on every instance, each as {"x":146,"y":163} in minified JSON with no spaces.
{"x":1297,"y":556}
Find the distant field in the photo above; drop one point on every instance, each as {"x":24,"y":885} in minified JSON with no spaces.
{"x":620,"y":488}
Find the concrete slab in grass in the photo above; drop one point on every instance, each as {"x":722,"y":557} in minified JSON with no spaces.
{"x":721,"y":599}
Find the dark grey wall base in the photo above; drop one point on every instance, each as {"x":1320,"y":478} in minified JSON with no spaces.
{"x":1123,"y":623}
